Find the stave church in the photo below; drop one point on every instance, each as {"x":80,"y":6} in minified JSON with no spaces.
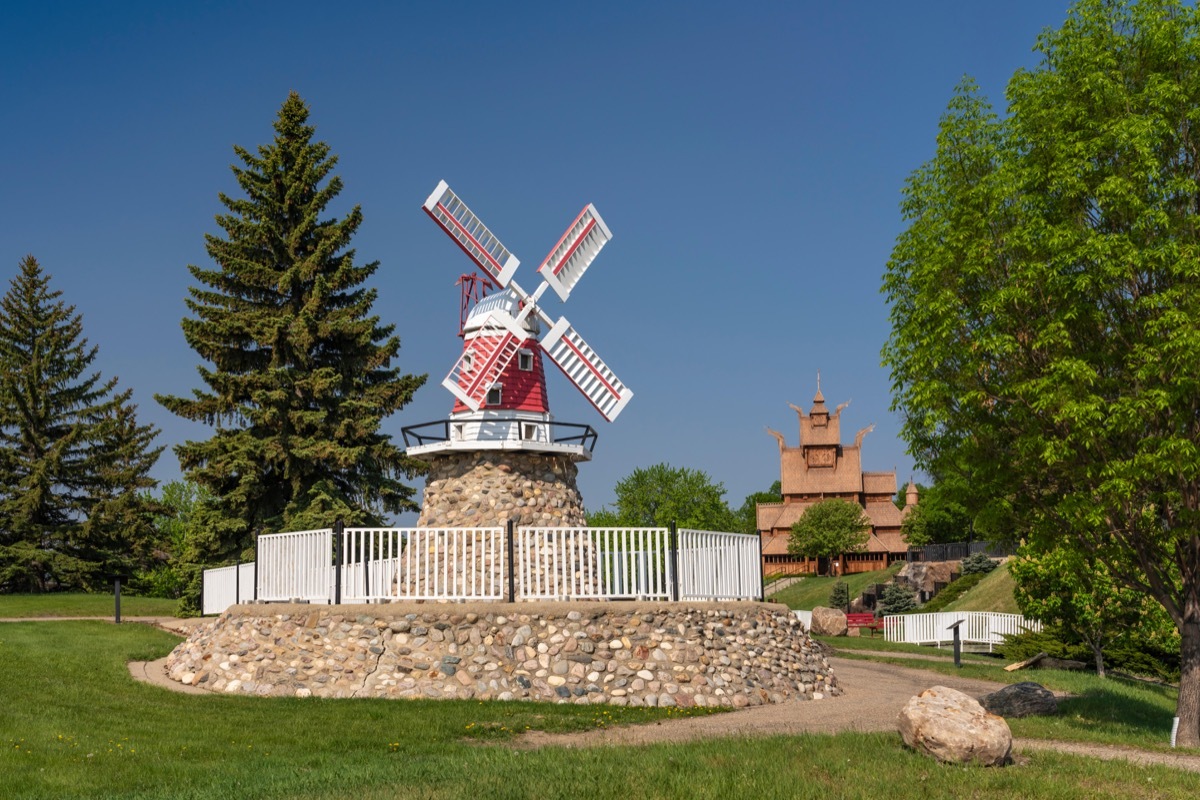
{"x":822,"y":467}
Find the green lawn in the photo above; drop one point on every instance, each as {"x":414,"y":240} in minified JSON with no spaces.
{"x":76,"y":725}
{"x":810,"y":592}
{"x":993,"y":593}
{"x":71,"y":604}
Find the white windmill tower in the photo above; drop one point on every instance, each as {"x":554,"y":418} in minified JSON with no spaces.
{"x":500,"y":435}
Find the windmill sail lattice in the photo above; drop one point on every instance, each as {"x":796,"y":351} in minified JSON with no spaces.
{"x":575,"y":252}
{"x":480,"y":244}
{"x":508,"y":327}
{"x":585,"y":369}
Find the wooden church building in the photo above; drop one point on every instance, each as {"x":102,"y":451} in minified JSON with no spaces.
{"x":822,"y":467}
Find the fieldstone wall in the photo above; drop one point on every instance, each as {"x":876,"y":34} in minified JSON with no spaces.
{"x":623,"y":653}
{"x":479,"y":489}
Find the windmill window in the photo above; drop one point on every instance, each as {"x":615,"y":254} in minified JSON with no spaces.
{"x":468,"y":361}
{"x":493,"y":395}
{"x":458,"y":432}
{"x":525,"y":360}
{"x":528,"y":431}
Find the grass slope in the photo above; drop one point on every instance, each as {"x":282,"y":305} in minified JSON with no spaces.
{"x":993,"y":593}
{"x":70,"y":604}
{"x":810,"y":592}
{"x":76,"y":725}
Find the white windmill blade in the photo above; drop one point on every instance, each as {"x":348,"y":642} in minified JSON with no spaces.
{"x":585,"y":369}
{"x":452,"y":214}
{"x":484,"y":358}
{"x":575,"y":251}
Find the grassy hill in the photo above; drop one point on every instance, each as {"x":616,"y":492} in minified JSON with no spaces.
{"x":810,"y":592}
{"x":993,"y":593}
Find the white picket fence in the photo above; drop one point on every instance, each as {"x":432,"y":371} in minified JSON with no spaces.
{"x":718,"y":566}
{"x":226,"y":586}
{"x":381,"y":564}
{"x":592,"y":564}
{"x":385,"y":564}
{"x":295,"y":566}
{"x":978,"y":627}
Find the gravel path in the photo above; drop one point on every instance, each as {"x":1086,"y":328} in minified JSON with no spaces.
{"x":873,"y":695}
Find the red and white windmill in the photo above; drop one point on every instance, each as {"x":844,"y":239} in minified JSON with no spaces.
{"x":498,"y":382}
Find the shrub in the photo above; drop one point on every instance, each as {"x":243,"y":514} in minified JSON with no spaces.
{"x":839,"y":596}
{"x":1052,"y":640}
{"x":977,"y":563}
{"x":1141,"y":658}
{"x":164,"y":580}
{"x":897,"y":599}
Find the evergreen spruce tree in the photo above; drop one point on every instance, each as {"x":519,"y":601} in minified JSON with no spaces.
{"x":301,"y":372}
{"x":71,"y":452}
{"x":123,"y":514}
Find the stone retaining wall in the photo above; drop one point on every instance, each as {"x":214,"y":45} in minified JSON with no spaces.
{"x":623,"y":653}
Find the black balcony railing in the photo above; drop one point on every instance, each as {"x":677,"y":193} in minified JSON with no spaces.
{"x":560,"y":432}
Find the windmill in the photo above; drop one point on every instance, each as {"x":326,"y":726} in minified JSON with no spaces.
{"x":498,"y":382}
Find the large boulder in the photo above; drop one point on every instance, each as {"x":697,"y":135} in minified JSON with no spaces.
{"x":1021,"y":700}
{"x":954,"y":728}
{"x":922,"y":575}
{"x":828,"y":622}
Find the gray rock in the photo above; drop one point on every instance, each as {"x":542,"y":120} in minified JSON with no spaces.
{"x":955,"y":729}
{"x":1021,"y":700}
{"x":828,"y":622}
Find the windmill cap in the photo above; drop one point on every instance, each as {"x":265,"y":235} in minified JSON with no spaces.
{"x":506,"y":301}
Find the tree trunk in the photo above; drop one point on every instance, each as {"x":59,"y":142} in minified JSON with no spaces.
{"x":1099,"y":654}
{"x":1188,"y":708}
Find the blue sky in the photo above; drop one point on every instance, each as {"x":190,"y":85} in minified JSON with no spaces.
{"x":748,"y":158}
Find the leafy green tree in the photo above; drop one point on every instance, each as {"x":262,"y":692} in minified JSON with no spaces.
{"x":73,"y":459}
{"x":830,"y":528}
{"x":656,"y":496}
{"x":301,"y":372}
{"x":1065,"y":588}
{"x":937,"y":518}
{"x":604,"y":518}
{"x":164,"y":572}
{"x":1044,"y":305}
{"x":747,"y":514}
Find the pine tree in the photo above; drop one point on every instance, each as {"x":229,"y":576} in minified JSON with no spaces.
{"x":122,"y":516}
{"x":300,"y":376}
{"x":68,"y":448}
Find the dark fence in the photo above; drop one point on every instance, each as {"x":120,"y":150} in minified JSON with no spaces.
{"x":956,"y":551}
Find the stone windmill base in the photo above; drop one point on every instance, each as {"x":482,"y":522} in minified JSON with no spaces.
{"x":486,"y":489}
{"x":480,"y":489}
